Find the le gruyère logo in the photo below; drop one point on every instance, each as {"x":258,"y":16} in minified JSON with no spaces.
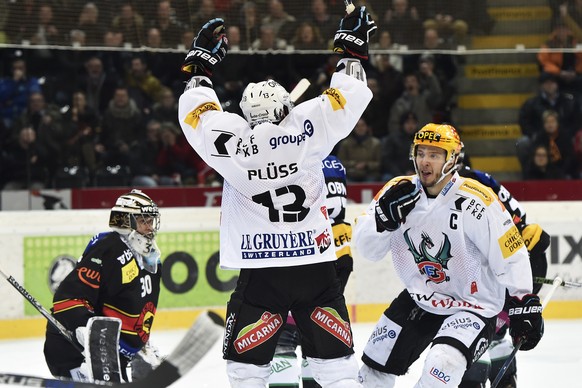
{"x":257,"y":333}
{"x":329,"y":320}
{"x":430,"y":265}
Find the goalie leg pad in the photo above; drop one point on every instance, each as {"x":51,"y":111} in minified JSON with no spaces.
{"x":336,"y":372}
{"x":247,"y":375}
{"x":444,"y":366}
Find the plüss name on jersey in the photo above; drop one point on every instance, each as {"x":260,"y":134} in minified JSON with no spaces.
{"x":272,"y":171}
{"x":277,"y":245}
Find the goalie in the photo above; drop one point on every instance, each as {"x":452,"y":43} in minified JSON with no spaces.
{"x":118,"y":275}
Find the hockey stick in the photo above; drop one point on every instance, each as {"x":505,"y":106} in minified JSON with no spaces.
{"x":555,"y":284}
{"x":299,"y":89}
{"x":349,"y":6}
{"x":563,"y":284}
{"x":197,"y":341}
{"x":63,"y":330}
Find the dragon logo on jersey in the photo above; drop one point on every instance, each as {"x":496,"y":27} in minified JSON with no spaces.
{"x":329,"y":320}
{"x":258,"y":333}
{"x":431,"y":265}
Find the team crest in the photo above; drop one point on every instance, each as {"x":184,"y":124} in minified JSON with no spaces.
{"x":431,"y":265}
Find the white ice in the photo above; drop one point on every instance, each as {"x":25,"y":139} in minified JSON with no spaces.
{"x":556,"y":361}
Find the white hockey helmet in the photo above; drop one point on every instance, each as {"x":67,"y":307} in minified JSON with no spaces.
{"x":265,"y":101}
{"x":128,"y":207}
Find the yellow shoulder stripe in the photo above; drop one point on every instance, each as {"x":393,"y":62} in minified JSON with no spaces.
{"x":193,"y":118}
{"x":480,"y":190}
{"x":337,"y":99}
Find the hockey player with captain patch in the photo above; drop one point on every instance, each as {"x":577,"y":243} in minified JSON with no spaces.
{"x":276,"y":230}
{"x":457,"y":251}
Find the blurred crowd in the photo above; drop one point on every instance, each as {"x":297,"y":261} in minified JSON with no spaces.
{"x":107,"y":115}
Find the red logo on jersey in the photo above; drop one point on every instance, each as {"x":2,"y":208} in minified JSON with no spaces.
{"x":89,"y":276}
{"x":323,"y":210}
{"x":329,"y":320}
{"x":145,"y":320}
{"x":323,"y":241}
{"x":474,"y":288}
{"x":257,"y":333}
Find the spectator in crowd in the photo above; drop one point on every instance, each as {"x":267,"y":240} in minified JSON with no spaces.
{"x":385,"y":43}
{"x":360,"y":154}
{"x":169,"y":28}
{"x":153,"y":38}
{"x":395,"y":151}
{"x":82,"y":125}
{"x":449,"y":18}
{"x":559,"y":144}
{"x":97,"y":84}
{"x":567,"y":66}
{"x":90,"y":24}
{"x":390,"y":79}
{"x":320,"y":16}
{"x":47,"y":121}
{"x":15,"y":91}
{"x":283,"y":23}
{"x":22,"y":20}
{"x":143,"y":158}
{"x":377,"y":112}
{"x":47,"y":31}
{"x":539,"y":166}
{"x":403,"y":23}
{"x":307,"y":37}
{"x":145,"y":89}
{"x":204,"y":12}
{"x":234,"y":38}
{"x":571,"y":15}
{"x":166,"y":109}
{"x":129,"y":23}
{"x":268,"y":40}
{"x":121,"y":125}
{"x":23,"y":163}
{"x":249,"y":24}
{"x":444,"y":67}
{"x":549,"y":97}
{"x":415,"y":98}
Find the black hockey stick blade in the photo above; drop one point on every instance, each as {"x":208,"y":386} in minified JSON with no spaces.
{"x":197,"y":341}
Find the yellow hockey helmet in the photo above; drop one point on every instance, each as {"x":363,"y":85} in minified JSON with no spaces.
{"x":443,"y":136}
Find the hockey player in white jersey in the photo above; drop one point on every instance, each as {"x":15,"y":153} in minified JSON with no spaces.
{"x":457,"y":251}
{"x":274,"y":225}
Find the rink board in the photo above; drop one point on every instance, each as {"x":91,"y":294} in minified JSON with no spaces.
{"x":33,"y":241}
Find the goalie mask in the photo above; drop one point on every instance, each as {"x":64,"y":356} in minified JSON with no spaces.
{"x":443,"y":136}
{"x":129,"y":210}
{"x":265,"y":101}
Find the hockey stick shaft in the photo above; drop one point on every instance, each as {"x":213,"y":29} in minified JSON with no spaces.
{"x":566,"y":284}
{"x":196,"y":343}
{"x":557,"y":282}
{"x":57,"y":325}
{"x":349,"y":6}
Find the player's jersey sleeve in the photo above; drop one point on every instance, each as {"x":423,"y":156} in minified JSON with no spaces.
{"x":502,"y":243}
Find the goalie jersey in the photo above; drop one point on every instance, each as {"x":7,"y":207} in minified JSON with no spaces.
{"x":108,"y":280}
{"x":458,"y":251}
{"x":273,"y":202}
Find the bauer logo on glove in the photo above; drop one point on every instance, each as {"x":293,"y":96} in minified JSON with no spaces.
{"x":353,"y":35}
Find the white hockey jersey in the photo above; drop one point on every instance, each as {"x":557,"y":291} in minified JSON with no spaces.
{"x":273,"y":210}
{"x":458,"y":251}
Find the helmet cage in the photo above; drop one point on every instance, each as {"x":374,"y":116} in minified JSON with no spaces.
{"x":266,"y":101}
{"x":131,"y":206}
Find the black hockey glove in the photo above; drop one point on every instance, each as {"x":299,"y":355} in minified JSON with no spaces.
{"x":354,"y":33}
{"x":208,"y":49}
{"x":525,"y":321}
{"x":395,"y":204}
